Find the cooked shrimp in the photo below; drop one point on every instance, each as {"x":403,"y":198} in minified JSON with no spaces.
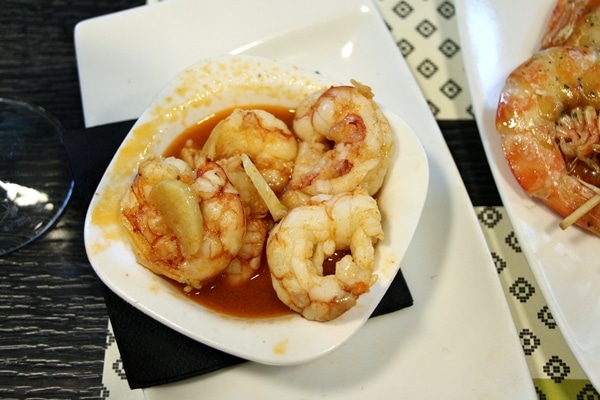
{"x":547,"y":115}
{"x":232,"y":166}
{"x":310,"y":233}
{"x":154,"y":221}
{"x":346,"y":142}
{"x":264,"y":138}
{"x":573,"y":23}
{"x":248,"y":260}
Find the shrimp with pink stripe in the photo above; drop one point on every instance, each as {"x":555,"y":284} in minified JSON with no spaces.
{"x":346,"y":142}
{"x":186,"y":224}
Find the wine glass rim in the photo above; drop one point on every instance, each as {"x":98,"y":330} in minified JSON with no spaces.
{"x":21,"y":222}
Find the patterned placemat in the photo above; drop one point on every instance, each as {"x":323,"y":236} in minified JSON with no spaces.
{"x":427,"y":35}
{"x":554,"y":369}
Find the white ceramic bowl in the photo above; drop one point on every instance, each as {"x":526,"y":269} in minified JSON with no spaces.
{"x":201,"y":90}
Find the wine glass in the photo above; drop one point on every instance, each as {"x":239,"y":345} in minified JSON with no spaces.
{"x":35,"y":177}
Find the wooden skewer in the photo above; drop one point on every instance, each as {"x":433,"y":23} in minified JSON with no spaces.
{"x":583,"y":209}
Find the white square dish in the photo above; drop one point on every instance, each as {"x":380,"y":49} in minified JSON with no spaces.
{"x":201,"y":90}
{"x":459,"y":333}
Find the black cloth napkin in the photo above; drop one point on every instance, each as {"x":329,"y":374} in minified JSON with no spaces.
{"x":152,"y":353}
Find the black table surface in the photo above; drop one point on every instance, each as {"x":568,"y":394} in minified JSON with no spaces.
{"x":52,"y":311}
{"x":53,"y":319}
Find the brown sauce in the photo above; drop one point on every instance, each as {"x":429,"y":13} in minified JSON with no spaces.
{"x":329,"y":263}
{"x":255,"y":298}
{"x":199,"y":133}
{"x":586,"y":173}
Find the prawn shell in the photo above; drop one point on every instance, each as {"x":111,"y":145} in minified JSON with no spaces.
{"x":307,"y":235}
{"x":573,"y":23}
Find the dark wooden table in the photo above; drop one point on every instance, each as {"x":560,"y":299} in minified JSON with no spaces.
{"x":53,"y":318}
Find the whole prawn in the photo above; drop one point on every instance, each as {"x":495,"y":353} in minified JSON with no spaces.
{"x":547,"y":115}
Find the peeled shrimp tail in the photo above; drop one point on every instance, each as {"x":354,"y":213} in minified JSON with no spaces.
{"x":307,"y":236}
{"x":346,"y":142}
{"x":248,"y":260}
{"x":165,"y":237}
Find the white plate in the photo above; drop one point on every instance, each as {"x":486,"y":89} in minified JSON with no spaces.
{"x":458,"y":341}
{"x":198,"y":92}
{"x":497,"y":36}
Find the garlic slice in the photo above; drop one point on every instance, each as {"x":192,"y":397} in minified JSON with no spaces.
{"x":276,"y":208}
{"x":181,"y":211}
